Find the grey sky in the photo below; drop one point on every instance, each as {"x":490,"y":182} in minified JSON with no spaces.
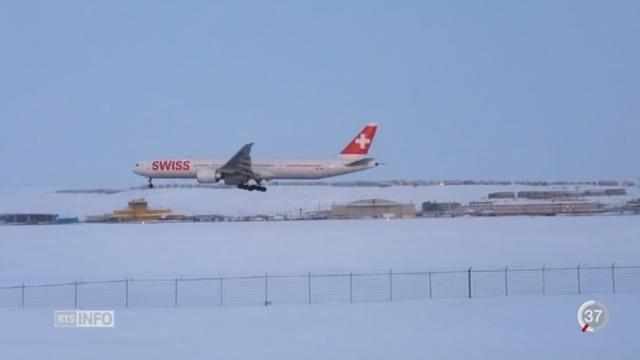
{"x":461,"y":89}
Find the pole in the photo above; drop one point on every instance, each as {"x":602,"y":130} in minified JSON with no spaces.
{"x":22,"y":297}
{"x":175,"y":294}
{"x":309,"y":285}
{"x":543,"y":280}
{"x":75,"y":295}
{"x":266,"y":289}
{"x":469,"y":281}
{"x":126,"y":293}
{"x":613,"y":278}
{"x":579,"y":282}
{"x":351,"y":287}
{"x":221,"y":294}
{"x":391,"y":285}
{"x":506,"y":282}
{"x":430,"y":292}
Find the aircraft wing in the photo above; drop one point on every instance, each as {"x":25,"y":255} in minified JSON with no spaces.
{"x":239,"y":166}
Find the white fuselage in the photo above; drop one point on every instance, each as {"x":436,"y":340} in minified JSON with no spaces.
{"x":203,"y":169}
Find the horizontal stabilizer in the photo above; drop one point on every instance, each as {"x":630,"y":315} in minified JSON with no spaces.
{"x":360,"y":162}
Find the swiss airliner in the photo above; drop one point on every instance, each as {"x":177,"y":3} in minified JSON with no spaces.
{"x":247,"y":174}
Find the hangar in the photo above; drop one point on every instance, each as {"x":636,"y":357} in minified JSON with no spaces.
{"x":372,"y":208}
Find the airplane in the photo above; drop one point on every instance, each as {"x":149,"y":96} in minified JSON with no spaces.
{"x":243,"y":172}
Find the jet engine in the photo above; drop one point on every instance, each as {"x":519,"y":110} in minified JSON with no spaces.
{"x":208,"y":176}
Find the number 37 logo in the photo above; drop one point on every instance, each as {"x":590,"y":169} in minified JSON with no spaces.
{"x":592,"y":316}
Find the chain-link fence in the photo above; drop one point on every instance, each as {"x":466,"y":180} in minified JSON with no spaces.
{"x":313,"y":288}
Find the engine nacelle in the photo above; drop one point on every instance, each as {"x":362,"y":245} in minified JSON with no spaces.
{"x":208,"y":176}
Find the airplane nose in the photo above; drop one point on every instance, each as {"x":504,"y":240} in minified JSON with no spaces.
{"x":137,"y":169}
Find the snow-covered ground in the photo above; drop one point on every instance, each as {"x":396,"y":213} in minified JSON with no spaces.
{"x":502,"y":328}
{"x":495,"y":328}
{"x":37,"y":254}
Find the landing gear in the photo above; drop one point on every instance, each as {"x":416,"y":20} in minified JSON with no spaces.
{"x":252,"y":187}
{"x":149,"y":184}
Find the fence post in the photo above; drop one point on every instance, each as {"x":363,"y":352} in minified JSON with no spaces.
{"x":430,"y":292}
{"x":351,"y":286}
{"x":175,"y":293}
{"x":506,"y":282}
{"x":75,"y":294}
{"x":266,"y":289}
{"x":22,"y":297}
{"x":543,"y":280}
{"x":469,"y":281}
{"x":126,"y":293}
{"x":221,"y":293}
{"x":390,"y":284}
{"x":613,"y":278}
{"x":309,"y":285}
{"x":579,"y":282}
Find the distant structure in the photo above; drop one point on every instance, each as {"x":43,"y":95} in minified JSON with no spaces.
{"x":67,"y":220}
{"x":488,"y":208}
{"x":533,"y":209}
{"x":138,"y":211}
{"x":28,"y":219}
{"x":316,"y":215}
{"x":633,"y":206}
{"x":557,"y":194}
{"x":503,"y":195}
{"x":372,"y":208}
{"x":210,"y":218}
{"x":438,"y":209}
{"x":607,"y":183}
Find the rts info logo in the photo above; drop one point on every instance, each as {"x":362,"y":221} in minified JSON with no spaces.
{"x":84,"y":318}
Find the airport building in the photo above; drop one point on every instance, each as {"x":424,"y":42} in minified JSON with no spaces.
{"x":437,"y":209}
{"x":372,"y":208}
{"x":503,"y":195}
{"x":532,"y":209}
{"x":559,"y":194}
{"x":28,"y":219}
{"x":138,"y":211}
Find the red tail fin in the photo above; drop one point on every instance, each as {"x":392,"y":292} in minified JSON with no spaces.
{"x":362,"y":142}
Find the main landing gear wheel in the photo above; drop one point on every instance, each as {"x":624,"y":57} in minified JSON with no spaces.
{"x":252,"y":187}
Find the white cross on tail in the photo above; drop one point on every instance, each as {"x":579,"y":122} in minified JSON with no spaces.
{"x":363,"y":141}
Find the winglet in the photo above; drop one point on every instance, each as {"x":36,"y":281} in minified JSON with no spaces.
{"x":362,"y":141}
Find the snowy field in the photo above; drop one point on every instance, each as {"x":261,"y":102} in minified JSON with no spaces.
{"x":496,"y":328}
{"x":500,"y":328}
{"x":38,"y":254}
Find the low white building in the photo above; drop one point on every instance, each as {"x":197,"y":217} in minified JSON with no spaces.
{"x":373,"y":208}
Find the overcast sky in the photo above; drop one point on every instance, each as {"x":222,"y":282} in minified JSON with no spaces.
{"x":461,"y":89}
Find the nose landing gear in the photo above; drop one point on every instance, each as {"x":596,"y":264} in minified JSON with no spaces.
{"x":149,"y":184}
